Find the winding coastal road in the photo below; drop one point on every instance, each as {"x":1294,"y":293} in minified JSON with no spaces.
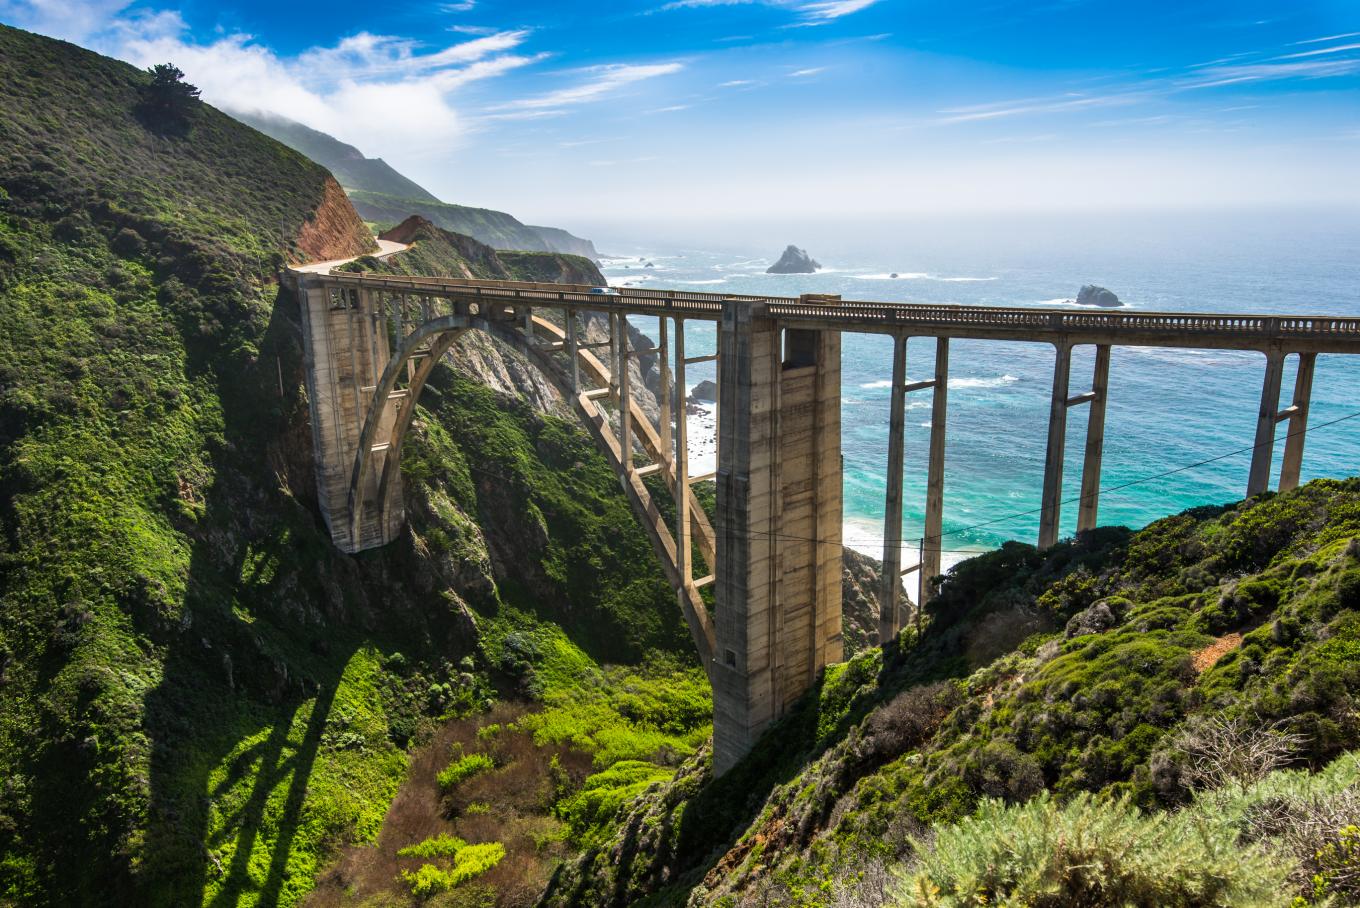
{"x":385,"y":248}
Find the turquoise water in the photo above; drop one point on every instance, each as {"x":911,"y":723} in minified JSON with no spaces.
{"x":1167,"y":408}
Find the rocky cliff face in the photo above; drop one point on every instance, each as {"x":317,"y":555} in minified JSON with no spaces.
{"x":334,"y":230}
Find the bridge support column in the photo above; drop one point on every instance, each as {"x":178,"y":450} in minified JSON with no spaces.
{"x":1051,"y":504}
{"x":934,"y":523}
{"x":1263,"y":452}
{"x":1298,"y":423}
{"x":889,"y":596}
{"x":683,"y":546}
{"x":346,"y":352}
{"x":1088,"y":512}
{"x":778,"y":576}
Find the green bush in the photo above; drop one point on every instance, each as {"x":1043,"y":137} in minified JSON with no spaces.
{"x":464,"y":767}
{"x":470,"y":861}
{"x":1089,"y":853}
{"x":442,"y":845}
{"x":589,"y":812}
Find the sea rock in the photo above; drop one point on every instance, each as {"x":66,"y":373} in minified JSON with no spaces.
{"x":894,"y":274}
{"x":793,"y":261}
{"x":705,"y":390}
{"x":1091,"y":295}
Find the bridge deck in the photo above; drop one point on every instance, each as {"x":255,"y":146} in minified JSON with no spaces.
{"x":1203,"y":330}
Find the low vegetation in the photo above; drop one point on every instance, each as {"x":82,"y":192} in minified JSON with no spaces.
{"x":1093,"y":674}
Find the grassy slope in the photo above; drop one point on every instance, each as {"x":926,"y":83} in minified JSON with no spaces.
{"x":201,"y":698}
{"x":995,"y":701}
{"x":494,"y":228}
{"x":351,"y":168}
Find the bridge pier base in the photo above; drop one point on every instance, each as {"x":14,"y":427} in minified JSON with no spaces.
{"x":346,"y":351}
{"x":778,"y":576}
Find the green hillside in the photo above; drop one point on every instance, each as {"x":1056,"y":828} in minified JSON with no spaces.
{"x":202,"y":701}
{"x":347,"y":163}
{"x":1169,"y":669}
{"x":494,"y":228}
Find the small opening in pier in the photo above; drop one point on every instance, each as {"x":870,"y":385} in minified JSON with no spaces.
{"x":800,"y":348}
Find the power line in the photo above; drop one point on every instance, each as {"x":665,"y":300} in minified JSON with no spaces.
{"x":1079,"y":498}
{"x":1027,"y":513}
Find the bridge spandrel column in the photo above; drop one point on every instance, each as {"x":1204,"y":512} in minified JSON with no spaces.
{"x":778,"y":578}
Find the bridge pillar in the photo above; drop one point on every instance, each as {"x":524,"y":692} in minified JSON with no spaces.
{"x":346,"y":351}
{"x":778,"y":574}
{"x":1258,"y":480}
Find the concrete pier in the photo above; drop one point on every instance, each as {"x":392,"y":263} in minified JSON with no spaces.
{"x":779,"y":497}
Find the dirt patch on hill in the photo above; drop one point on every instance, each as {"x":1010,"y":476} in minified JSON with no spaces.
{"x":1208,"y":657}
{"x":335,"y":230}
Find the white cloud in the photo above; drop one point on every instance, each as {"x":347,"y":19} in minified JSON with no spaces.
{"x":72,"y":20}
{"x":605,"y":80}
{"x":737,"y":83}
{"x":815,"y":11}
{"x":804,"y":73}
{"x":384,"y":94}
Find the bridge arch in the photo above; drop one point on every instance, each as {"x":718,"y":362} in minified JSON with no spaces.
{"x":374,"y":478}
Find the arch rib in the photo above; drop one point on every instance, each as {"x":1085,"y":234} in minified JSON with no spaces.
{"x":441,"y":333}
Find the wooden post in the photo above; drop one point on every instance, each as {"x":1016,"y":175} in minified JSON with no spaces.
{"x":625,"y":399}
{"x":571,"y":352}
{"x":682,"y":537}
{"x":1298,"y":423}
{"x":1088,"y":511}
{"x":664,"y":386}
{"x":1051,"y":505}
{"x":1264,"y":450}
{"x":888,"y":605}
{"x":934,"y":525}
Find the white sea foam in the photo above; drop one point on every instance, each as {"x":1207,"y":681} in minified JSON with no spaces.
{"x":874,"y":385}
{"x":997,"y":382}
{"x":717,"y":280}
{"x":919,"y":276}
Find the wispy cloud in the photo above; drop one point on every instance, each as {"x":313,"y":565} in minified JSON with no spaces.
{"x":1326,"y":38}
{"x":1058,"y":104}
{"x":1340,"y":48}
{"x":604,"y":81}
{"x":736,"y":83}
{"x":812,"y":11}
{"x":804,"y":73}
{"x":1220,"y":76}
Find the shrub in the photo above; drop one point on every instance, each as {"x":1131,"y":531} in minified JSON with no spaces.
{"x":1091,"y":853}
{"x":1211,"y":752}
{"x":464,"y":767}
{"x":442,"y":845}
{"x":470,"y":861}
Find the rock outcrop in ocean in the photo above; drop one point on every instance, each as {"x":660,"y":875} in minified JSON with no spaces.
{"x":794,"y":261}
{"x":1092,"y":295}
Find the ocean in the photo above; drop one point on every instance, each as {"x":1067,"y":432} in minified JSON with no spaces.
{"x":1167,"y":409}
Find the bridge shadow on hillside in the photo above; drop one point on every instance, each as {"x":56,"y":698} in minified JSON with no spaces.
{"x":256,"y":663}
{"x":253,"y":663}
{"x":273,"y":617}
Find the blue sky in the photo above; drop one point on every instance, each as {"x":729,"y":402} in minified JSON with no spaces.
{"x":862,"y":108}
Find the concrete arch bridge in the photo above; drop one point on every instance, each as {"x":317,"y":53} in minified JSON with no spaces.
{"x":372,"y":341}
